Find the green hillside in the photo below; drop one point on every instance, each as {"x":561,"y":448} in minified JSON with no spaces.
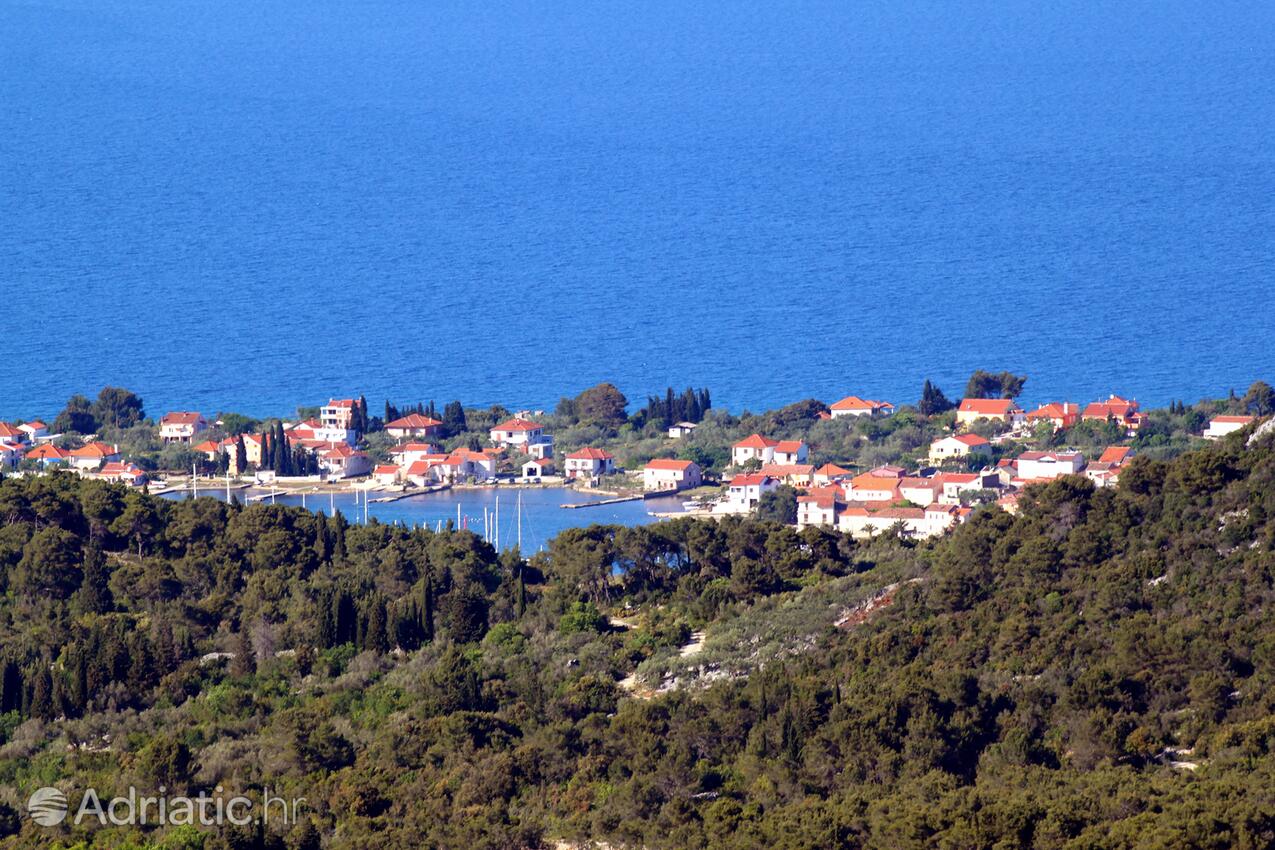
{"x":1094,"y":672}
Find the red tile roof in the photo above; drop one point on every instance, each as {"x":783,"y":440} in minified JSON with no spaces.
{"x":756,"y":441}
{"x":48,"y":451}
{"x":669,"y":464}
{"x":853,"y":402}
{"x":7,"y":430}
{"x":1241,"y":420}
{"x":831,"y":470}
{"x":753,"y":480}
{"x":789,"y":446}
{"x":181,"y":417}
{"x":412,"y":421}
{"x":988,"y":406}
{"x":590,"y":454}
{"x":1115,"y":454}
{"x":340,"y":402}
{"x":385,"y":469}
{"x":95,"y":449}
{"x":972,"y":440}
{"x":517,"y":424}
{"x":783,"y":470}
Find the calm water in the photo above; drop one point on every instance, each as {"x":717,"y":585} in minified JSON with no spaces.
{"x":234,"y":204}
{"x":542,"y":514}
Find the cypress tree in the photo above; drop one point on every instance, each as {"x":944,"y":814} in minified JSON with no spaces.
{"x":241,"y":455}
{"x":427,"y":609}
{"x":522,"y":593}
{"x":95,"y":591}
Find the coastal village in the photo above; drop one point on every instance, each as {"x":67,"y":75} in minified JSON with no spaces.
{"x":981,"y":453}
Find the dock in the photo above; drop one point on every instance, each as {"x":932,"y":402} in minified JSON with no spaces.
{"x":394,"y":497}
{"x":613,"y":501}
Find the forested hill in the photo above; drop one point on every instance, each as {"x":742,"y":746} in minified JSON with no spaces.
{"x":1094,"y":672}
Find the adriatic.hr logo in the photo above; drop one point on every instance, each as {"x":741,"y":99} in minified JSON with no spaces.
{"x":50,"y":807}
{"x":47,"y":806}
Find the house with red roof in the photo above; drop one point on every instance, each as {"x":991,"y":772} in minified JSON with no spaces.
{"x":819,"y":507}
{"x":386,"y":474}
{"x":829,"y":473}
{"x":959,"y":446}
{"x":1220,"y":426}
{"x":852,"y":405}
{"x":668,"y":474}
{"x":408,"y":453}
{"x":11,"y":433}
{"x":342,"y":461}
{"x":47,"y":454}
{"x":538,"y":467}
{"x":790,"y":451}
{"x":1105,"y":471}
{"x":413,"y":425}
{"x":91,"y":456}
{"x":744,"y":493}
{"x":799,"y":475}
{"x":1058,"y":414}
{"x":523,"y":435}
{"x":865,"y":521}
{"x":1121,"y":410}
{"x":338,"y":414}
{"x":589,"y":463}
{"x":870,"y":487}
{"x":124,"y":473}
{"x":11,"y":455}
{"x":35,"y":430}
{"x":754,"y":447}
{"x":465,"y":463}
{"x":1041,"y":465}
{"x":181,"y":426}
{"x":971,"y":410}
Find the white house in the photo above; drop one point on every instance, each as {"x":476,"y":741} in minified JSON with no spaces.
{"x":756,"y":447}
{"x":854,"y":406}
{"x":10,"y":455}
{"x":462,"y":464}
{"x":819,"y":507}
{"x":790,"y":451}
{"x":1035,"y":465}
{"x":921,"y":491}
{"x":413,"y":425}
{"x":668,"y":474}
{"x":524,"y":436}
{"x":93,"y":455}
{"x":797,"y":474}
{"x":1220,"y":426}
{"x":960,"y":445}
{"x":35,"y":429}
{"x":871,"y":487}
{"x":408,"y":453}
{"x":12,"y":434}
{"x":341,"y":461}
{"x":681,"y":429}
{"x":745,"y":492}
{"x":916,"y":522}
{"x":181,"y":426}
{"x":829,"y":473}
{"x":125,"y":473}
{"x":538,"y":468}
{"x":589,"y":463}
{"x":386,"y":474}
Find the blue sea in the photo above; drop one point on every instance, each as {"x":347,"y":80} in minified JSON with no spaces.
{"x":254,"y":204}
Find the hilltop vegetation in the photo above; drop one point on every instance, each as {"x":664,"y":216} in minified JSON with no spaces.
{"x":1093,"y":672}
